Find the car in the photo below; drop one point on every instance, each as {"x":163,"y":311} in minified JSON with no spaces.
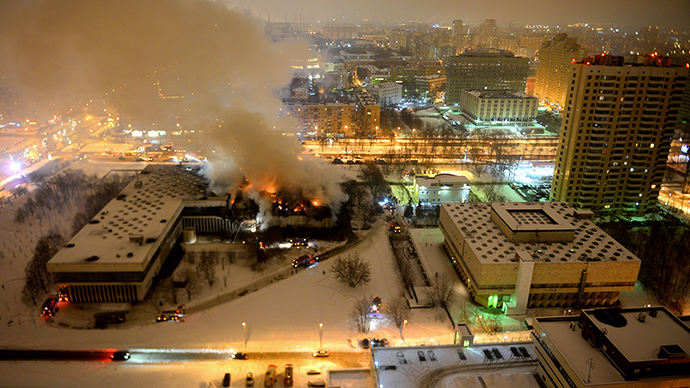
{"x":388,"y":367}
{"x":226,"y":380}
{"x":140,"y":159}
{"x":240,"y":356}
{"x":321,"y":353}
{"x":250,"y":380}
{"x":299,"y":242}
{"x":379,"y":343}
{"x":121,"y":158}
{"x":313,"y":372}
{"x":317,"y":383}
{"x":120,"y":355}
{"x":376,"y":305}
{"x":50,"y":307}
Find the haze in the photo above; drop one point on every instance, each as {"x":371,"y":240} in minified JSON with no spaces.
{"x":665,"y":14}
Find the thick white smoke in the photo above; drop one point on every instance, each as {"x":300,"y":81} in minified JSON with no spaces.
{"x":120,"y":52}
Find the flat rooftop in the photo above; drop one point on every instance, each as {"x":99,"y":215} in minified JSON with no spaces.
{"x":444,"y":366}
{"x":492,"y":245}
{"x":578,"y":351}
{"x":640,"y":341}
{"x":440,"y":180}
{"x":145,"y":209}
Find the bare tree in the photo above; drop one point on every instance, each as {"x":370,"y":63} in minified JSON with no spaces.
{"x":36,"y":273}
{"x":191,"y":283}
{"x":399,"y":311}
{"x":360,"y":314}
{"x":207,"y":267}
{"x":352,"y":270}
{"x":441,"y":291}
{"x":168,"y":290}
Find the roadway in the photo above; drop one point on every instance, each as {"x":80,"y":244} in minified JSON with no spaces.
{"x":355,"y":359}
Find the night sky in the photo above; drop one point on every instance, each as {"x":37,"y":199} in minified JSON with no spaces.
{"x":665,"y":14}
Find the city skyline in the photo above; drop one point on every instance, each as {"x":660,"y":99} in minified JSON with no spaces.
{"x":671,"y":14}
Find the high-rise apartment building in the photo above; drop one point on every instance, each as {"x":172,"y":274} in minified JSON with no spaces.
{"x":618,"y":120}
{"x":485,"y":69}
{"x":488,"y":33}
{"x":555,"y":57}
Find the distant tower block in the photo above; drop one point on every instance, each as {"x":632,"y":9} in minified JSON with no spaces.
{"x":189,"y":235}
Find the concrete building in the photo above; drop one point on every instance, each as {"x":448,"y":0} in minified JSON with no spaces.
{"x":555,"y":57}
{"x":484,"y":69}
{"x":431,"y":85}
{"x":442,"y":188}
{"x":367,"y":116}
{"x":386,"y":93}
{"x":612,"y":348}
{"x":323,"y":119}
{"x":518,"y":255}
{"x":340,"y":31}
{"x":618,"y":121}
{"x":116,"y":256}
{"x":498,"y":107}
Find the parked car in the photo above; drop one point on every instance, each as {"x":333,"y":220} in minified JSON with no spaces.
{"x":388,"y":367}
{"x":226,"y":380}
{"x":321,"y":353}
{"x":317,"y":383}
{"x":250,"y":380}
{"x":120,"y":355}
{"x":313,"y":372}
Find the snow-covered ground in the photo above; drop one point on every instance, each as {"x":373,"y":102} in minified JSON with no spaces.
{"x":281,"y":316}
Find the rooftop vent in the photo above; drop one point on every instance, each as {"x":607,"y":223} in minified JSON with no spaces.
{"x":136,"y":238}
{"x":92,"y":258}
{"x":671,"y":351}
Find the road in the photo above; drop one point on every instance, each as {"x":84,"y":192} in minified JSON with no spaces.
{"x":154,"y":356}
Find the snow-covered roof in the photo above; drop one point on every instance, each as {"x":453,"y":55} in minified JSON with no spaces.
{"x":477,"y":223}
{"x":638,"y":340}
{"x":125,"y":234}
{"x":642,"y":336}
{"x":440,"y":180}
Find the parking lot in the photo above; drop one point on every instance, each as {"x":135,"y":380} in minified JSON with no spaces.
{"x":488,"y":366}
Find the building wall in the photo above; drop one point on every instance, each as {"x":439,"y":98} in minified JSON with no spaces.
{"x":490,"y":107}
{"x":555,"y":57}
{"x":386,"y":93}
{"x":488,"y":70}
{"x":615,"y":137}
{"x":554,"y":283}
{"x":323,"y":118}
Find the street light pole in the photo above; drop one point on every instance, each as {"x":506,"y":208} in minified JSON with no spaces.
{"x":320,"y":335}
{"x":244,"y":327}
{"x":402,"y":333}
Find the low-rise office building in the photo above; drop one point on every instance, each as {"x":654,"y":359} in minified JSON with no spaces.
{"x":498,"y":107}
{"x":518,"y":255}
{"x":116,"y":256}
{"x":442,"y":188}
{"x":613,"y":348}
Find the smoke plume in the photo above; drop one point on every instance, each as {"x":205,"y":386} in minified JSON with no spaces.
{"x":166,"y":64}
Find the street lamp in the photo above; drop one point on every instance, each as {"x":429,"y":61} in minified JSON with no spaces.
{"x":402,"y":332}
{"x":244,"y":327}
{"x":320,"y":335}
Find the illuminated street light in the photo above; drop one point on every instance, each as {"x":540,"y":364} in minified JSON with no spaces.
{"x":244,"y":327}
{"x":320,"y":335}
